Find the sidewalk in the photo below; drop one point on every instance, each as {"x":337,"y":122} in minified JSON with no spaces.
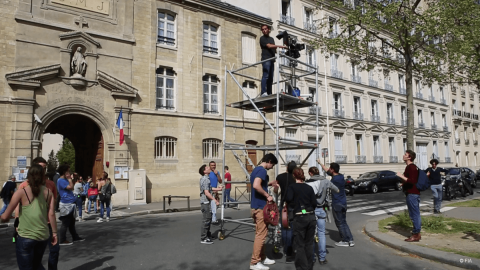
{"x":473,"y":213}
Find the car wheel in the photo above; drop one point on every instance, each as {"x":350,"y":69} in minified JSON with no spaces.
{"x":474,"y":183}
{"x":448,"y":193}
{"x":398,"y":186}
{"x":374,"y":188}
{"x":462,"y":191}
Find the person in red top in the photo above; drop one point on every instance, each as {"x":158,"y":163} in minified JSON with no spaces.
{"x":409,"y":179}
{"x":228,"y":186}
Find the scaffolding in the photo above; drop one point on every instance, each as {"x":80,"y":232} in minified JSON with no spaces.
{"x":272,"y":104}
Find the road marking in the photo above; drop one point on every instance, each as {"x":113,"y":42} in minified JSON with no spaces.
{"x":373,"y":206}
{"x":390,"y":210}
{"x":352,"y":201}
{"x":360,"y":203}
{"x":443,"y":209}
{"x":429,"y":202}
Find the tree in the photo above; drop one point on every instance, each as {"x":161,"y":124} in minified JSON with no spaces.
{"x":66,"y":154}
{"x":52,"y":162}
{"x":388,"y":35}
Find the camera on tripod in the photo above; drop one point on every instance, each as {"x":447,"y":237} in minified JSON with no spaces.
{"x":294,"y":48}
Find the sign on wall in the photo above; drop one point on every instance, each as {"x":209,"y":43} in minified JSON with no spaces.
{"x":21,"y":161}
{"x":121,"y":172}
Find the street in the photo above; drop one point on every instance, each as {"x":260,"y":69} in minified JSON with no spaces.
{"x":172,"y":241}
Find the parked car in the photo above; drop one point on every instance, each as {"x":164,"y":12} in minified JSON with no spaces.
{"x":469,"y":176}
{"x":349,"y":186}
{"x":377,"y":180}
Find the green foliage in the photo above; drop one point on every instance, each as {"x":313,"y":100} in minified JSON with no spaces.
{"x":66,"y":154}
{"x":52,"y":162}
{"x":469,"y":203}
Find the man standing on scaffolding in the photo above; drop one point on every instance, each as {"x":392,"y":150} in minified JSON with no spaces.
{"x":267,"y":44}
{"x":259,"y":180}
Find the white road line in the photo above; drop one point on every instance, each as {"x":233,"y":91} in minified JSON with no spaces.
{"x":390,"y":210}
{"x":352,"y":201}
{"x":429,"y":202}
{"x":443,"y":209}
{"x":372,"y":206}
{"x":361,"y":203}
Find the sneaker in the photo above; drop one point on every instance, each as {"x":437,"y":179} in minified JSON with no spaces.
{"x":100,"y":220}
{"x":259,"y":266}
{"x":79,"y":240}
{"x":206,"y":242}
{"x":342,"y":244}
{"x":268,"y":261}
{"x":351,"y":243}
{"x":264,"y":95}
{"x":108,"y":219}
{"x":65,"y":243}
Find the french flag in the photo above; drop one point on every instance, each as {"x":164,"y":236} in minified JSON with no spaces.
{"x":120,"y":126}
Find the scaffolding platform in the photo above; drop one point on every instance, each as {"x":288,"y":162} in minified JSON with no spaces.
{"x":268,"y":104}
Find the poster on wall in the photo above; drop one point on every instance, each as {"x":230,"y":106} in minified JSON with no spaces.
{"x":121,"y":172}
{"x":20,"y":173}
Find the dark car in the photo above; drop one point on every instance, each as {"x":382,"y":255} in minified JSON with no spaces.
{"x":469,"y":176}
{"x":374,"y":181}
{"x":453,"y":183}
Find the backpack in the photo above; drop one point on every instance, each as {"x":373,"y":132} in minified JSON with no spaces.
{"x":86,"y":186}
{"x":423,"y":182}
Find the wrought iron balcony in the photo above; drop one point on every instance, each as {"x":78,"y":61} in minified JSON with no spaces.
{"x":377,"y":159}
{"x":456,"y":112}
{"x":310,"y":27}
{"x":403,"y":122}
{"x":358,"y":115}
{"x":315,"y":109}
{"x":296,"y":158}
{"x":457,"y":140}
{"x":466,"y":114}
{"x":372,"y":83}
{"x":341,"y":158}
{"x":421,"y":125}
{"x":443,"y":101}
{"x":360,"y":159}
{"x":393,"y":159}
{"x":391,"y":121}
{"x":336,"y":73}
{"x":287,"y":20}
{"x":434,"y":127}
{"x":448,"y":160}
{"x":356,"y":79}
{"x":431,"y":98}
{"x":475,"y":116}
{"x":467,"y":141}
{"x":445,"y":128}
{"x":475,"y":142}
{"x":402,"y":91}
{"x":419,"y":95}
{"x":388,"y":87}
{"x":338,"y":113}
{"x":375,"y":118}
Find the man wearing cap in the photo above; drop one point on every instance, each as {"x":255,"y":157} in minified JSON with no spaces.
{"x":8,"y":189}
{"x":435,"y":178}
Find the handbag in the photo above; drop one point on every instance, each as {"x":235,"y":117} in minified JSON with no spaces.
{"x":270,"y":213}
{"x":285,"y":224}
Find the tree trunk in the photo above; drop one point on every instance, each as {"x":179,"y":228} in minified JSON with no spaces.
{"x":410,"y":107}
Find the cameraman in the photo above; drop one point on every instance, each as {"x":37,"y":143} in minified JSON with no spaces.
{"x":267,"y":44}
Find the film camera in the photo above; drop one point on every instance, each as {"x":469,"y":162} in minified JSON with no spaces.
{"x":294,"y":48}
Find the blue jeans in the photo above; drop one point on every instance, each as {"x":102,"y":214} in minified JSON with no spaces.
{"x":340,"y":216}
{"x":437,"y":191}
{"x":322,"y":243}
{"x":226,"y":196}
{"x":102,"y":206}
{"x":413,"y":204}
{"x":54,"y":252}
{"x":287,"y":238}
{"x":267,"y":77}
{"x":79,"y":203}
{"x":213,"y":207}
{"x":5,"y":205}
{"x":30,"y":253}
{"x":92,"y":200}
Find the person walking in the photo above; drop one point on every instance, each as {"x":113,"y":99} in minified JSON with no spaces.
{"x":339,"y":205}
{"x":409,"y":179}
{"x":36,"y":210}
{"x":436,"y":186}
{"x":228,"y":186}
{"x":205,"y":201}
{"x":7,"y":192}
{"x":77,"y":191}
{"x":67,"y":206}
{"x":105,"y":195}
{"x":259,"y":181}
{"x":320,"y":186}
{"x":303,"y":198}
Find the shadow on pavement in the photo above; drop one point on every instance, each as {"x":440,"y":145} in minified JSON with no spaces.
{"x":95,"y":264}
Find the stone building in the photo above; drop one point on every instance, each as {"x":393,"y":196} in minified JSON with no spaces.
{"x":70,"y":67}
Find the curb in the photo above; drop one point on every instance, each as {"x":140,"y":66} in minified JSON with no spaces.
{"x":371,"y":229}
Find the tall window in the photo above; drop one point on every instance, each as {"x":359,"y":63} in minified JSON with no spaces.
{"x":166,"y":28}
{"x":420,"y":117}
{"x":249,"y":49}
{"x":338,"y":143}
{"x":403,"y":112}
{"x":442,"y":93}
{"x":456,"y":133}
{"x":454,"y":104}
{"x":165,"y":88}
{"x":337,"y":101}
{"x":210,"y":39}
{"x":333,"y":27}
{"x":334,"y":61}
{"x":471,"y":109}
{"x":418,"y":86}
{"x":251,"y":90}
{"x":210,"y":94}
{"x":389,"y":111}
{"x":211,"y":148}
{"x":401,"y":81}
{"x":165,"y":147}
{"x":432,"y":119}
{"x":404,"y":145}
{"x":374,"y":107}
{"x":376,"y":146}
{"x":435,"y":149}
{"x":444,"y":120}
{"x":447,"y":152}
{"x":356,"y":106}
{"x":359,"y":145}
{"x":391,"y":146}
{"x":465,"y":134}
{"x":311,"y":57}
{"x":308,"y":20}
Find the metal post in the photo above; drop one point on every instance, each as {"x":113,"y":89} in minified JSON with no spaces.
{"x":317,"y":156}
{"x":223,"y":142}
{"x":326,"y":102}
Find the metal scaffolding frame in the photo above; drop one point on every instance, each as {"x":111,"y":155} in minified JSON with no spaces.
{"x":274,"y":104}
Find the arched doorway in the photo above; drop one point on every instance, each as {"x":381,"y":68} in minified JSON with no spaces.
{"x":87,"y":140}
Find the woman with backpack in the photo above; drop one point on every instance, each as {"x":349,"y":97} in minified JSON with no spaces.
{"x":92,"y":194}
{"x":105,"y":194}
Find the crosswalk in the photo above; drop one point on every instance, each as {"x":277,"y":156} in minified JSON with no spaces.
{"x":379,"y":207}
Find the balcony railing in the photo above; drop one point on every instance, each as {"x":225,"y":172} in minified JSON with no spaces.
{"x":466,"y":114}
{"x":431,"y":98}
{"x":372,"y":83}
{"x":457,"y":140}
{"x":315,"y":109}
{"x":338,"y":113}
{"x":456,"y":112}
{"x":393,"y":159}
{"x":377,"y":159}
{"x":388,"y":87}
{"x":462,"y":92}
{"x":357,"y":116}
{"x":443,"y":101}
{"x":356,"y":79}
{"x":467,"y":141}
{"x":336,"y":73}
{"x":445,"y":128}
{"x":475,"y":116}
{"x":434,"y":127}
{"x":421,"y":125}
{"x":419,"y":95}
{"x":360,"y":159}
{"x":341,"y":158}
{"x":448,"y":160}
{"x":375,"y":118}
{"x":310,"y":27}
{"x":403,"y":122}
{"x":287,"y":20}
{"x":475,"y":142}
{"x":402,"y":91}
{"x":296,"y":158}
{"x":391,"y":121}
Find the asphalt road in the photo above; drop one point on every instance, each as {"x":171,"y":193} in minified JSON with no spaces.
{"x":172,"y":241}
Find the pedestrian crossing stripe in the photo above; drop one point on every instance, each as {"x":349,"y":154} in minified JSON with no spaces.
{"x":390,"y":210}
{"x":372,"y":206}
{"x":352,"y":201}
{"x":361,"y":203}
{"x":442,"y":210}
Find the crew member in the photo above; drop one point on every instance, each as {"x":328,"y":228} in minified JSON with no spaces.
{"x":267,"y":44}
